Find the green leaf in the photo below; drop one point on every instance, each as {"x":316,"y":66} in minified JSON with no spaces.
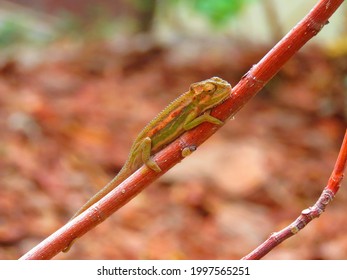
{"x":219,"y":11}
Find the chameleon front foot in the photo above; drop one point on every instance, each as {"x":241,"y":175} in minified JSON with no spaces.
{"x":205,"y":117}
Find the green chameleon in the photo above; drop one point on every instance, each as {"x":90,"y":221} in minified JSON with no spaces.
{"x":184,"y":113}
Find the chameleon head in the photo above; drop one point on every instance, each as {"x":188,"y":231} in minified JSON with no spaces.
{"x":210,"y":92}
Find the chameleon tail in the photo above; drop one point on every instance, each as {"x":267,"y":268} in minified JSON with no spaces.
{"x":119,"y":178}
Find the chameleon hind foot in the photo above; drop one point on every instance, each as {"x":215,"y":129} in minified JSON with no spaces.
{"x":146,"y":155}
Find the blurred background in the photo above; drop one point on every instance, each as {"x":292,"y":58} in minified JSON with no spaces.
{"x":80,"y":79}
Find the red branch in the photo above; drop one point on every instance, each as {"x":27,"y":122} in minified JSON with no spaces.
{"x":248,"y":87}
{"x":307,"y":215}
{"x":337,"y":175}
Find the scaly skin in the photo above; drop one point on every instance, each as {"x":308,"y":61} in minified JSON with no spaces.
{"x":186,"y":112}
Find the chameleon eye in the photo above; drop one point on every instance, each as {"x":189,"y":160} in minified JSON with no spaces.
{"x":209,"y":87}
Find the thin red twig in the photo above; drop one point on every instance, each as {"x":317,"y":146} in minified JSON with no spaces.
{"x":337,"y":175}
{"x":308,"y":214}
{"x":248,"y":87}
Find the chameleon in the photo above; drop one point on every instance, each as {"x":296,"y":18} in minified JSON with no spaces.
{"x":187,"y":111}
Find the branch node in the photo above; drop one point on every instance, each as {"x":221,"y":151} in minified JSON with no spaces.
{"x":251,"y":78}
{"x":315,"y":26}
{"x":326,"y":197}
{"x":274,"y":237}
{"x":294,"y":229}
